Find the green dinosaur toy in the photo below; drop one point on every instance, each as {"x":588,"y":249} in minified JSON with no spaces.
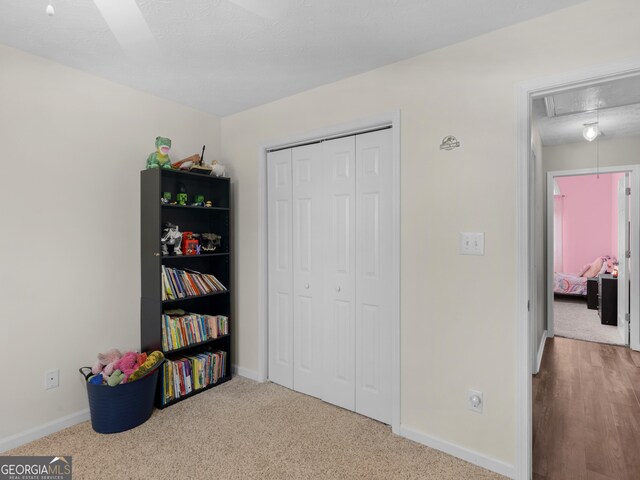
{"x":160,"y":158}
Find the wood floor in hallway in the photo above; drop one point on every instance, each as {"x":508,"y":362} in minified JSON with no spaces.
{"x":586,"y":412}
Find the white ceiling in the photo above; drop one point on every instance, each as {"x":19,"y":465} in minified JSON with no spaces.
{"x":615,"y":105}
{"x":224,"y":56}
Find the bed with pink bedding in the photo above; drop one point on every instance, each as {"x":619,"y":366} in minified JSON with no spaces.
{"x":576,"y":284}
{"x":568,"y":284}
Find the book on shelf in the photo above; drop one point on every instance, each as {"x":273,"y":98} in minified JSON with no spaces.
{"x":178,"y":283}
{"x":181,"y":329}
{"x":186,"y":374}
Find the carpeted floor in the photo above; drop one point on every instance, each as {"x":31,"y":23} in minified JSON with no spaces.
{"x":572,"y":319}
{"x":249,"y":430}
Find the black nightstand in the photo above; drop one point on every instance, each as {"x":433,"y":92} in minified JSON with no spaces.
{"x":592,"y":293}
{"x":608,"y":299}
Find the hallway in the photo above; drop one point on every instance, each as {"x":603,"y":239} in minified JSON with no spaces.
{"x":586,"y":412}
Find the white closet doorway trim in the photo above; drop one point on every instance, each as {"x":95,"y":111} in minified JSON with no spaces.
{"x":390,"y":119}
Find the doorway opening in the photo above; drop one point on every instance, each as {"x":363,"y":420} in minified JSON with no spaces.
{"x":583,"y":291}
{"x":588,"y":254}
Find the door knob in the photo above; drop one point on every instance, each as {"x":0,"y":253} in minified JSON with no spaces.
{"x":306,"y":285}
{"x":338,"y":288}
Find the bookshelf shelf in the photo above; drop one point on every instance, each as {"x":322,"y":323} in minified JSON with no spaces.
{"x":154,"y":215}
{"x":199,"y":344}
{"x":193,"y":297}
{"x":192,"y":207}
{"x":182,"y":257}
{"x":195,"y":392}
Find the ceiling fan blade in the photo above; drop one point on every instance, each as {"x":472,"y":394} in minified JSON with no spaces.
{"x":128,"y":25}
{"x":272,"y":9}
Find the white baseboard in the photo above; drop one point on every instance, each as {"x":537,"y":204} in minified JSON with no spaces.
{"x":463,"y":453}
{"x":543,"y":342}
{"x":245,"y":372}
{"x":35,"y":433}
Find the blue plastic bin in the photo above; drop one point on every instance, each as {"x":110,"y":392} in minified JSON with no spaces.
{"x":123,"y":407}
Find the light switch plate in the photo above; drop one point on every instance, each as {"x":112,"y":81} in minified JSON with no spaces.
{"x":471,"y":243}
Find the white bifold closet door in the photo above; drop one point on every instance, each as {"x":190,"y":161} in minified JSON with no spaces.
{"x":307,"y":269}
{"x":340,"y":273}
{"x":374,"y":272}
{"x":330,"y":295}
{"x":280,"y":260}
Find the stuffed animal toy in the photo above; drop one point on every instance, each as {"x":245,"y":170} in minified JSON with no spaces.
{"x":96,"y":379}
{"x":217,"y":169}
{"x":153,"y":360}
{"x":160,"y":158}
{"x":116,"y":378}
{"x":127,"y":364}
{"x":105,"y":362}
{"x":142,"y":357}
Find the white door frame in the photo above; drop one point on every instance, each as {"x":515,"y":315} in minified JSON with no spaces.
{"x":634,"y":175}
{"x":358,"y":126}
{"x":524,"y":94}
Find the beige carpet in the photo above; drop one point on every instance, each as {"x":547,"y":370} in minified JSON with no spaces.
{"x":572,"y":319}
{"x":249,"y":430}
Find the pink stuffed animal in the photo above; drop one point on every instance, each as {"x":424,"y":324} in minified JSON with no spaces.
{"x":127,"y":364}
{"x":105,"y":363}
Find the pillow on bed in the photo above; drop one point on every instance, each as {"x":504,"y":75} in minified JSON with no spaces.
{"x":594,"y":268}
{"x":604,"y":268}
{"x":584,"y":268}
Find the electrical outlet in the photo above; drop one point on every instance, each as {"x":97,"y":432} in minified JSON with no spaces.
{"x":474,"y":397}
{"x":471,"y":243}
{"x":52,"y":379}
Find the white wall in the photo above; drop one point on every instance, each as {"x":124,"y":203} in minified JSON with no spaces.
{"x":72,"y":146}
{"x":458,"y":313}
{"x":576,"y":156}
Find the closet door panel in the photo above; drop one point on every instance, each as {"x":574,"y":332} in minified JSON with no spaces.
{"x":373,"y":274}
{"x":307,"y":269}
{"x":339,"y":272}
{"x":279,"y":211}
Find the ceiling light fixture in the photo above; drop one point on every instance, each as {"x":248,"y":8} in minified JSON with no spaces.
{"x":50,"y":11}
{"x":590,"y":131}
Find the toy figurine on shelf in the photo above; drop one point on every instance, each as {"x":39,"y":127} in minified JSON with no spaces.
{"x":182,"y":196}
{"x":160,"y":158}
{"x":211,"y":242}
{"x":199,"y":201}
{"x":189,"y":243}
{"x":217,"y":169}
{"x":166,"y":198}
{"x":208,"y":203}
{"x":171,"y":237}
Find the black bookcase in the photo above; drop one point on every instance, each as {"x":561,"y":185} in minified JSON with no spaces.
{"x":216,"y":219}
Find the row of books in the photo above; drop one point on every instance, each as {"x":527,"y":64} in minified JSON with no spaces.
{"x":186,"y":283}
{"x":183,"y":375}
{"x":184,"y":329}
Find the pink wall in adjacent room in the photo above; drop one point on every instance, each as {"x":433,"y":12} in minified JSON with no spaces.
{"x":589,"y":219}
